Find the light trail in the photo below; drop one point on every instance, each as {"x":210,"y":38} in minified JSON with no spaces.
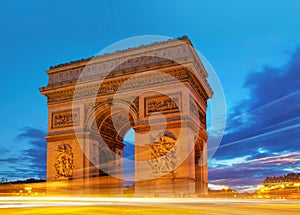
{"x":261,"y":135}
{"x":266,"y":133}
{"x":116,"y":200}
{"x":269,"y":104}
{"x":32,"y":204}
{"x":281,"y":123}
{"x":159,"y":206}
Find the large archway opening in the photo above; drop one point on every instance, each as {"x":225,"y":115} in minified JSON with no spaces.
{"x":128,"y":154}
{"x":115,"y":141}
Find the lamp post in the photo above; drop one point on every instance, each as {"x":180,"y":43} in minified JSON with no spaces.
{"x":226,"y":188}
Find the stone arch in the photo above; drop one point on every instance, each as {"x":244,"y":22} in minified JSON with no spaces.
{"x":103,"y":109}
{"x":109,"y":139}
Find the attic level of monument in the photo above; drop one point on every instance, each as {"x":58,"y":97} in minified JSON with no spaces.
{"x":155,"y":55}
{"x":85,"y":60}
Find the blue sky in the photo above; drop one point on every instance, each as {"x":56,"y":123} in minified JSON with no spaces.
{"x":252,"y":45}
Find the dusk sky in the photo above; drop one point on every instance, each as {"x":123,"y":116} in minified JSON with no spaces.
{"x":253,"y":46}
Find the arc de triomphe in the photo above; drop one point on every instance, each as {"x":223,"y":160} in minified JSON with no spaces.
{"x":159,"y":90}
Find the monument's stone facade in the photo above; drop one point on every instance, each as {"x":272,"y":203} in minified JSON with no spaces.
{"x":159,"y":90}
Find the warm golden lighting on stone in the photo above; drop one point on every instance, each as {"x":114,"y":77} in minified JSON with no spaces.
{"x":158,"y":90}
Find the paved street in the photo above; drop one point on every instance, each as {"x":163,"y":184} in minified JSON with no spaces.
{"x":77,"y":205}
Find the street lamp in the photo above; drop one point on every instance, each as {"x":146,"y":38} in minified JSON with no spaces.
{"x":226,"y":188}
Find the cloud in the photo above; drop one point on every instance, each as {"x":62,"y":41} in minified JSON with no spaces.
{"x":216,"y":186}
{"x":228,"y":162}
{"x":241,"y":188}
{"x":272,"y":111}
{"x":3,"y":150}
{"x":28,"y":160}
{"x":247,"y":169}
{"x":32,"y":134}
{"x":9,"y":160}
{"x":262,"y":132}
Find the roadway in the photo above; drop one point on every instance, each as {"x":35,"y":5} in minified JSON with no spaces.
{"x":94,"y":205}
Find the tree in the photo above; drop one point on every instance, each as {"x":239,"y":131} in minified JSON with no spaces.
{"x":3,"y":180}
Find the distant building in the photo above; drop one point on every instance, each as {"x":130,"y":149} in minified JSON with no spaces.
{"x":290,"y":178}
{"x":286,"y":186}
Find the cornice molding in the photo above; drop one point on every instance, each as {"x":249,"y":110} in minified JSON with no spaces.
{"x":63,"y":94}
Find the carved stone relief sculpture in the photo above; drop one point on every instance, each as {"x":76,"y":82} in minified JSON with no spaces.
{"x":64,"y":163}
{"x":163,"y":155}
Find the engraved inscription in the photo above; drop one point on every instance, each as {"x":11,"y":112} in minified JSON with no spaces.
{"x":65,"y":118}
{"x":162,"y":104}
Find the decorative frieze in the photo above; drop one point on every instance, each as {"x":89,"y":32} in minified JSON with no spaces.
{"x":65,"y":118}
{"x":197,"y":112}
{"x":60,"y":97}
{"x":66,"y":75}
{"x":180,"y":74}
{"x":162,"y":104}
